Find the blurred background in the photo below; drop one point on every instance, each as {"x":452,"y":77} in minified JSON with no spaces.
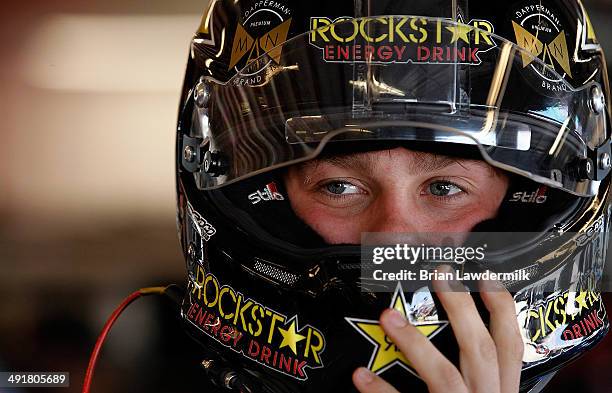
{"x":88,"y":110}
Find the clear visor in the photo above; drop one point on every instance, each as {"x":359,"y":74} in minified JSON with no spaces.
{"x":404,"y":78}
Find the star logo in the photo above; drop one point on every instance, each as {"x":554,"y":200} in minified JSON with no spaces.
{"x":579,"y":301}
{"x":290,"y":337}
{"x":386,"y":354}
{"x":460,"y":31}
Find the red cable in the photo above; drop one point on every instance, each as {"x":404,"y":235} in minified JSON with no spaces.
{"x":109,"y":323}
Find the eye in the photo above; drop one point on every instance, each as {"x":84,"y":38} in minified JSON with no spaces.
{"x":338,"y":187}
{"x":444,"y":189}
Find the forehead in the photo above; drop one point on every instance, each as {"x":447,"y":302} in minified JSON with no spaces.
{"x":414,"y":162}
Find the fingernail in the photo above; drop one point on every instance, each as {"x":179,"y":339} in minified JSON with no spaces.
{"x":451,"y":284}
{"x":396,"y":319}
{"x":364,"y":375}
{"x":440,"y":283}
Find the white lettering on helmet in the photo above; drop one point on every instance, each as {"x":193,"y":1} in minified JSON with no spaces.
{"x":269,"y":193}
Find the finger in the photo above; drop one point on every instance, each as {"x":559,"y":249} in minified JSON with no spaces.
{"x":440,"y":375}
{"x":478,"y":355}
{"x":367,"y":382}
{"x":506,"y":334}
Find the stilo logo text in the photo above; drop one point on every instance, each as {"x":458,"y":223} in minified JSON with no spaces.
{"x":269,"y":193}
{"x":538,"y":196}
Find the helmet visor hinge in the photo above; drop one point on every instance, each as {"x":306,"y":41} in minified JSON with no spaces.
{"x":191,"y":153}
{"x":601,"y":158}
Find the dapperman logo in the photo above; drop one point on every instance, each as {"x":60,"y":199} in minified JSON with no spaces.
{"x":539,"y":32}
{"x":252,"y":329}
{"x":264,"y":29}
{"x":401,"y":39}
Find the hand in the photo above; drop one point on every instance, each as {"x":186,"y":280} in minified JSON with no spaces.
{"x":490,"y":360}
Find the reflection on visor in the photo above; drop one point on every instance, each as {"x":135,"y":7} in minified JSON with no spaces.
{"x":430,"y":80}
{"x":471,"y":131}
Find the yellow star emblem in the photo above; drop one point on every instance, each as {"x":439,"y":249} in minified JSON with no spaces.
{"x":386,"y":354}
{"x":290,"y":337}
{"x":460,"y":30}
{"x":581,"y":300}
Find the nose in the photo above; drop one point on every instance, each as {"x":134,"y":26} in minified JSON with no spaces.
{"x":395,"y":212}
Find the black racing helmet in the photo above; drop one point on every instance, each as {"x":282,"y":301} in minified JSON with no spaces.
{"x":269,"y":84}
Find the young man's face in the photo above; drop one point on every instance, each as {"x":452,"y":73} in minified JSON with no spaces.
{"x":395,"y":190}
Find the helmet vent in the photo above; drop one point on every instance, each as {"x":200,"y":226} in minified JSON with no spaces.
{"x":275,"y":273}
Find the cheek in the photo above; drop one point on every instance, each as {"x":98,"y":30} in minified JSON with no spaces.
{"x":464,"y":217}
{"x":333,"y":229}
{"x":483,"y":208}
{"x":458,"y":221}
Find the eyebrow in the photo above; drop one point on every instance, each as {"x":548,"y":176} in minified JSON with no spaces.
{"x":423,"y":162}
